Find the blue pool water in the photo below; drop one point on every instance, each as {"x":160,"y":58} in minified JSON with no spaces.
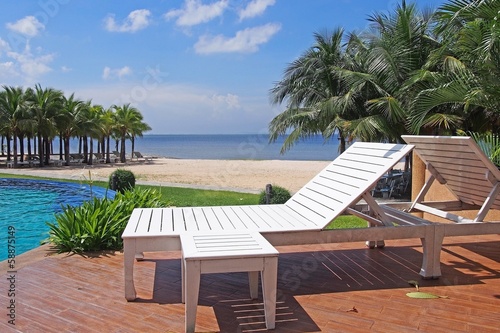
{"x":26,"y":205}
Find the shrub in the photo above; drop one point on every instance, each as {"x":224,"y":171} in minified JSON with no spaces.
{"x":98,"y":224}
{"x":125,"y":180}
{"x":279,"y":195}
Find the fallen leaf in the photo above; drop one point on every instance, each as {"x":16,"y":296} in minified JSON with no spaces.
{"x":419,"y":294}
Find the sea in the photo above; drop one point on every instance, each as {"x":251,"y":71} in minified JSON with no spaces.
{"x":234,"y":147}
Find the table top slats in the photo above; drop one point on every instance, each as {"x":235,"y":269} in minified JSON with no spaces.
{"x":226,"y":245}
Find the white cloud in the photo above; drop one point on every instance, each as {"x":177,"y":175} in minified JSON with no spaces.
{"x":28,"y":65}
{"x":135,"y":21}
{"x":28,"y":26}
{"x":245,"y":41}
{"x":195,"y":12}
{"x":255,"y":8}
{"x":66,"y":69}
{"x":109,"y":73}
{"x":4,"y":46}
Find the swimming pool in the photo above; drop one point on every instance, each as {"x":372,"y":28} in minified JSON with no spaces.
{"x":26,"y":205}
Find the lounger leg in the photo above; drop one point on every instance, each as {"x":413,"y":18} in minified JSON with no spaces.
{"x":128,"y":263}
{"x":372,"y":244}
{"x":269,"y":286}
{"x":253,"y":283}
{"x":192,"y":289}
{"x":432,"y":243}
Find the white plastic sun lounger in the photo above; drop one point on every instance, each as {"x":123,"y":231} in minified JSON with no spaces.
{"x":459,"y":164}
{"x":301,"y":220}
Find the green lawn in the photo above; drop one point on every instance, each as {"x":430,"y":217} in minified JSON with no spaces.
{"x":190,"y":197}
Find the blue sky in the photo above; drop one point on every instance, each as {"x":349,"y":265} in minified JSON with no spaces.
{"x":190,"y":66}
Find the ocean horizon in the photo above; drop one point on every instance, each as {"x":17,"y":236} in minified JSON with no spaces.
{"x":233,"y":147}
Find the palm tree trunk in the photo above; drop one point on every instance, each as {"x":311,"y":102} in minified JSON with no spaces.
{"x":123,"y":158}
{"x":66,"y":150}
{"x":91,"y":151}
{"x":85,"y":149}
{"x":15,"y":150}
{"x":40,"y":149}
{"x":61,"y":143}
{"x":108,"y":160}
{"x":8,"y":148}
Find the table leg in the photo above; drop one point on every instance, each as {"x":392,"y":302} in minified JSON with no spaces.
{"x":128,"y":264}
{"x":269,"y":286}
{"x":192,"y":288}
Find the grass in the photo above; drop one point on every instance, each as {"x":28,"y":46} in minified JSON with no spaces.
{"x":190,"y":197}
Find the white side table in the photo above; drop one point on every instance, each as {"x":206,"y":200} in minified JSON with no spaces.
{"x":228,"y":252}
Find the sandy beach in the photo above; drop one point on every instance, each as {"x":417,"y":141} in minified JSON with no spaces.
{"x":234,"y":175}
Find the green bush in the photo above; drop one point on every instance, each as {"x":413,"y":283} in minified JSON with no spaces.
{"x":98,"y":224}
{"x":125,"y":180}
{"x":279,"y":195}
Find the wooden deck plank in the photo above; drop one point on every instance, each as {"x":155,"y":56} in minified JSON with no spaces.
{"x":318,"y":286}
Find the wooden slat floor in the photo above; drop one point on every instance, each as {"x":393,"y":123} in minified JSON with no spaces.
{"x":321,"y":288}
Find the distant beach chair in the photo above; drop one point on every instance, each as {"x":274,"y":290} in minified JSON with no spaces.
{"x":76,"y":158}
{"x":99,"y":158}
{"x":141,"y":158}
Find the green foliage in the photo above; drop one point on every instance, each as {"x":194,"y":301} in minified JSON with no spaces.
{"x":279,"y":195}
{"x":346,"y":222}
{"x":125,"y":180}
{"x":98,"y":224}
{"x":191,"y":197}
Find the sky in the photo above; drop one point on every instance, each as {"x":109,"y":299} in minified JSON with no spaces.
{"x":189,"y":66}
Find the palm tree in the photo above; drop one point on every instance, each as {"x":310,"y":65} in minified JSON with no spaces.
{"x":68,"y":122}
{"x":464,"y":91}
{"x":387,"y":59}
{"x":45,"y":105}
{"x":94,"y":128}
{"x":311,"y":89}
{"x":126,"y":118}
{"x":12,"y":108}
{"x":108,"y":126}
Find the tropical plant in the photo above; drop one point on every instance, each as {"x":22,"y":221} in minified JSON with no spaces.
{"x":465,"y":92}
{"x":311,"y":87}
{"x":128,"y":124}
{"x":386,"y":59}
{"x":98,"y":224}
{"x":12,"y":107}
{"x":122,"y":180}
{"x":278,"y":195}
{"x":45,"y":105}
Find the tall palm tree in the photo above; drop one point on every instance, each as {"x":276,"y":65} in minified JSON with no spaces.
{"x":126,"y":119}
{"x":12,"y":108}
{"x":94,"y":128}
{"x":465,"y":88}
{"x":68,"y":122}
{"x":45,"y":104}
{"x":108,"y":125}
{"x":311,"y":89}
{"x":387,"y":58}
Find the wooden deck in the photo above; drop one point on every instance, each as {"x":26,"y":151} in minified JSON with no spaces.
{"x":321,"y":288}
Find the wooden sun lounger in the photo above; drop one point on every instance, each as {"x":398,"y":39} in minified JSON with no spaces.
{"x":459,"y":164}
{"x":301,"y":220}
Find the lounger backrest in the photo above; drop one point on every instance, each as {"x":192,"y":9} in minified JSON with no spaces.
{"x":461,"y":164}
{"x":345,"y":180}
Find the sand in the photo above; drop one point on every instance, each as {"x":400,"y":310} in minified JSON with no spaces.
{"x":234,"y":175}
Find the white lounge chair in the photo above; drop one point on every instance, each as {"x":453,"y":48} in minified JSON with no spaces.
{"x":141,"y":158}
{"x":459,"y":164}
{"x":301,"y":220}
